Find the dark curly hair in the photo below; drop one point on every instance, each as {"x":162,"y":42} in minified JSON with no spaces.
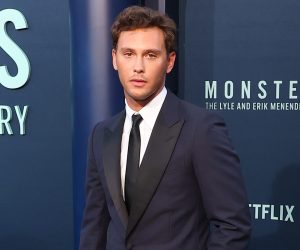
{"x":136,"y":17}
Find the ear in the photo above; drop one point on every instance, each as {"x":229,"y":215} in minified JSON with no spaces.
{"x":114,"y":59}
{"x":171,"y":61}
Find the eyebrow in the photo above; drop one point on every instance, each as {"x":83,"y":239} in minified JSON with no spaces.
{"x":155,"y":51}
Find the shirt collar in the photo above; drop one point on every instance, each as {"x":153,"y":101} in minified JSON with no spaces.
{"x":151,"y":110}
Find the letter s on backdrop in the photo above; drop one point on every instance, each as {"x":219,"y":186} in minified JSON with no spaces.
{"x":13,"y":50}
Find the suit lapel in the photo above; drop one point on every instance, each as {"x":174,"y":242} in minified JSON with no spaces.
{"x":159,"y":150}
{"x":111,"y":162}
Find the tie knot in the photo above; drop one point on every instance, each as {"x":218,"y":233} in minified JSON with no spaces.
{"x":136,"y":120}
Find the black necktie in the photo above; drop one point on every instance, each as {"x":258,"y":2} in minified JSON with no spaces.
{"x":133,"y":160}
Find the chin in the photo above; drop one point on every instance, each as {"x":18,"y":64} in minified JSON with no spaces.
{"x":142,"y":99}
{"x":139,"y":95}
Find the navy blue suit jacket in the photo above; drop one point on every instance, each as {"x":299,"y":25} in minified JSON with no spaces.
{"x":189,"y":195}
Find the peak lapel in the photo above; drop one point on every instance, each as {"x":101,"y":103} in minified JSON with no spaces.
{"x":111,"y":163}
{"x":159,"y":150}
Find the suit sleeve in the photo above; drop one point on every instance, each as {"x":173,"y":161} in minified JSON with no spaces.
{"x":96,"y":217}
{"x":218,"y":172}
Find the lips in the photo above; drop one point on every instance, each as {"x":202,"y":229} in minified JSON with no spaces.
{"x":138,"y":82}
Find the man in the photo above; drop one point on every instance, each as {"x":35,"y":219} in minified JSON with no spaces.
{"x":162,"y":174}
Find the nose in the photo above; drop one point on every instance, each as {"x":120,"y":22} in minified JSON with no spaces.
{"x":139,"y":66}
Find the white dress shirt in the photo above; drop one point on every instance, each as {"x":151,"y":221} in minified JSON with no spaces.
{"x":149,"y":114}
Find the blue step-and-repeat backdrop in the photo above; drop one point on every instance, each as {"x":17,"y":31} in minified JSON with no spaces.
{"x":238,"y":58}
{"x":242,"y":59}
{"x":36,"y":198}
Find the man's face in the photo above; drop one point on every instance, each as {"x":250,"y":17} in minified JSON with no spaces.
{"x":142,"y":62}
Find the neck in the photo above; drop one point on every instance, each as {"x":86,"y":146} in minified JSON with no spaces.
{"x":137,"y":105}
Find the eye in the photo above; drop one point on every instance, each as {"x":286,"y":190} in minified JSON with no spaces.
{"x":128,"y":54}
{"x":151,"y":55}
